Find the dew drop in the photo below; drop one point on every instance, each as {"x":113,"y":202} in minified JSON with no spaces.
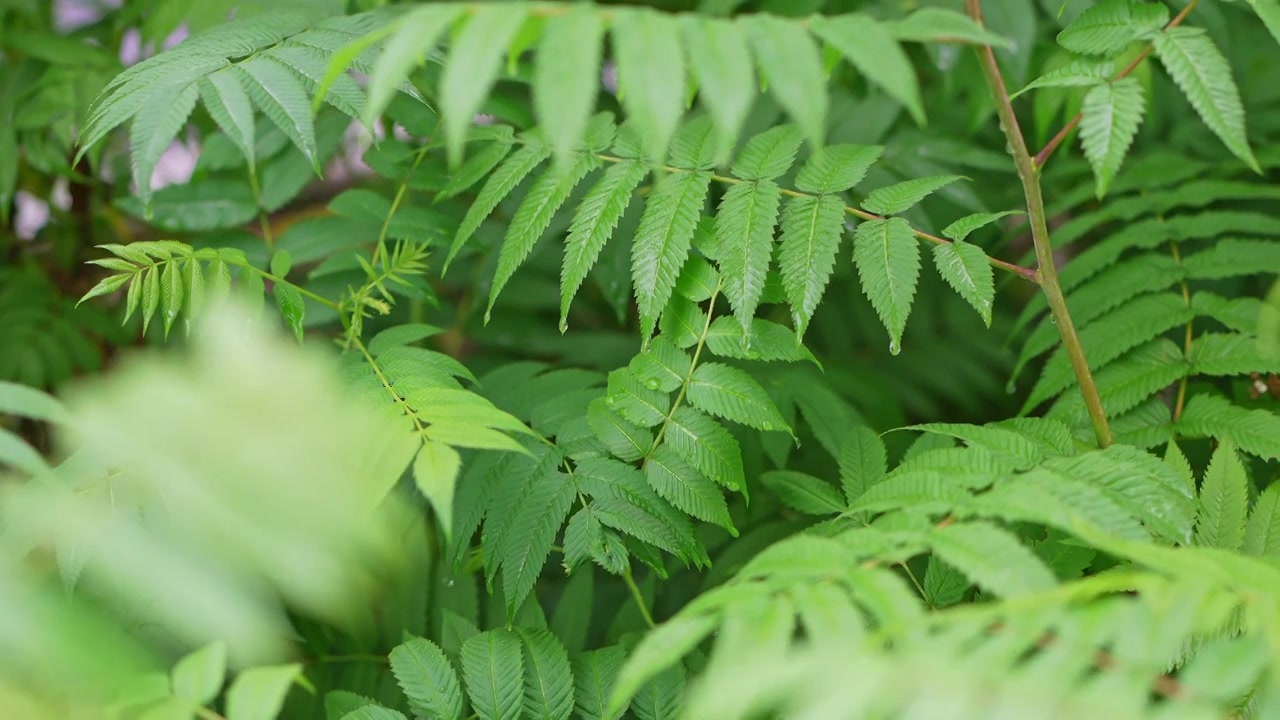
{"x":564,"y":325}
{"x":610,"y":400}
{"x":450,"y":583}
{"x":1053,"y":319}
{"x":766,"y":426}
{"x":651,"y":384}
{"x":894,"y":347}
{"x":1010,"y":388}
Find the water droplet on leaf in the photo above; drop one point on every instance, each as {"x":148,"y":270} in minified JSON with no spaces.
{"x":1010,"y":388}
{"x":766,"y":426}
{"x":651,"y":384}
{"x":894,"y":347}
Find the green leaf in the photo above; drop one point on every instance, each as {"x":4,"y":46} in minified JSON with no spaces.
{"x":435,"y":471}
{"x":937,"y":25}
{"x":528,"y":541}
{"x":106,"y":286}
{"x":493,"y":670}
{"x":259,"y":693}
{"x":744,"y":236}
{"x":229,"y":106}
{"x":150,"y":295}
{"x":292,"y":308}
{"x":532,"y":218}
{"x":811,"y":231}
{"x":1112,"y":114}
{"x":1269,"y":12}
{"x":478,"y":165}
{"x":475,"y":57}
{"x":768,"y":155}
{"x":621,"y":437}
{"x":1204,"y":75}
{"x":837,"y":168}
{"x":960,"y":229}
{"x":662,"y":241}
{"x":863,"y":461}
{"x":566,"y":78}
{"x":660,"y":649}
{"x":171,"y":293}
{"x":198,"y":677}
{"x":499,"y":185}
{"x":707,"y":446}
{"x":1224,"y":501}
{"x":1262,"y":534}
{"x":992,"y":558}
{"x":687,"y":489}
{"x":415,"y":35}
{"x":28,"y":402}
{"x":372,"y":712}
{"x":899,"y":197}
{"x":283,"y":99}
{"x":791,"y":65}
{"x":548,"y":678}
{"x":16,"y":453}
{"x":767,"y":341}
{"x":1080,"y":73}
{"x":966,"y":269}
{"x":427,"y":678}
{"x":888,"y":261}
{"x":594,"y":673}
{"x":735,"y":395}
{"x":1108,"y":27}
{"x":720,"y":61}
{"x":870,"y":46}
{"x":804,"y":493}
{"x":651,"y":75}
{"x":153,"y":130}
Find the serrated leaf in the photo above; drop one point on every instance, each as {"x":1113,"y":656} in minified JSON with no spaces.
{"x":790,"y":63}
{"x":707,"y":446}
{"x":509,"y":174}
{"x":259,"y":693}
{"x":106,"y":286}
{"x":372,"y":712}
{"x":1224,"y":501}
{"x":493,"y":670}
{"x":153,"y":130}
{"x":1262,"y":534}
{"x":1204,"y":76}
{"x":283,"y":99}
{"x":533,"y":530}
{"x":1080,"y":73}
{"x":548,"y":678}
{"x":662,"y":241}
{"x":896,"y":198}
{"x":427,"y":678}
{"x":870,"y":47}
{"x":594,"y":673}
{"x":198,"y":676}
{"x":720,"y":61}
{"x":837,"y":168}
{"x":651,"y":75}
{"x":623,"y":438}
{"x":229,"y":106}
{"x":767,"y":341}
{"x":566,"y":78}
{"x":935,"y":25}
{"x":532,"y":218}
{"x":292,"y":308}
{"x":686,"y":488}
{"x":804,"y":493}
{"x":658,"y":650}
{"x":888,"y":261}
{"x":1112,"y":114}
{"x":435,"y":471}
{"x":811,"y":231}
{"x":992,"y":558}
{"x":769,"y":154}
{"x":960,"y":229}
{"x":863,"y":461}
{"x":966,"y":268}
{"x":1108,"y":27}
{"x":735,"y":395}
{"x":171,"y":293}
{"x":478,"y":165}
{"x":150,"y":282}
{"x":475,"y":57}
{"x":744,"y":234}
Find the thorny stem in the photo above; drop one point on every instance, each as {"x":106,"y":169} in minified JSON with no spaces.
{"x":1043,"y":156}
{"x":1047,"y":271}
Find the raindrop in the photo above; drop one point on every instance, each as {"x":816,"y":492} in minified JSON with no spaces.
{"x":564,"y":325}
{"x":610,"y":400}
{"x":1053,"y":319}
{"x":766,"y":426}
{"x":1010,"y":388}
{"x":651,"y":383}
{"x":894,"y":347}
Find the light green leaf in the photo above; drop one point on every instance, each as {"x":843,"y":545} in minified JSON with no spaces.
{"x":767,"y":341}
{"x":475,"y":57}
{"x":532,"y":218}
{"x":499,"y":185}
{"x":533,"y":530}
{"x":292,"y":308}
{"x":198,"y":677}
{"x":106,"y":286}
{"x":686,"y":488}
{"x":790,"y":63}
{"x":837,"y":168}
{"x":966,"y":269}
{"x":1080,"y":73}
{"x":811,"y":231}
{"x":870,"y":46}
{"x":735,"y":395}
{"x":960,"y":229}
{"x":1262,"y":534}
{"x":16,"y":453}
{"x":744,"y":235}
{"x":902,"y":196}
{"x":888,"y":261}
{"x":435,"y":471}
{"x":259,"y":693}
{"x":493,"y":670}
{"x":171,"y":293}
{"x":153,"y":130}
{"x":548,"y":679}
{"x":863,"y":461}
{"x":1112,"y":114}
{"x":1269,"y":12}
{"x":939,"y":25}
{"x":229,"y":106}
{"x":1204,"y":75}
{"x":478,"y":165}
{"x":662,"y":241}
{"x":707,"y":446}
{"x":651,"y":75}
{"x":282,"y":98}
{"x":594,"y":673}
{"x":804,"y":493}
{"x":1224,"y":501}
{"x":720,"y":61}
{"x":427,"y":678}
{"x":1108,"y":27}
{"x":372,"y":712}
{"x":28,"y":402}
{"x":992,"y":558}
{"x":566,"y":78}
{"x":769,"y":154}
{"x":150,"y":295}
{"x":660,"y":649}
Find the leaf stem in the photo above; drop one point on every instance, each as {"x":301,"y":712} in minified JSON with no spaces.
{"x":1043,"y":156}
{"x":263,"y":221}
{"x":1046,"y":270}
{"x":693,"y":365}
{"x":630,"y":580}
{"x":1187,"y":341}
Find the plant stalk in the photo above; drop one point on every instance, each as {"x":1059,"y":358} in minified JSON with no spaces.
{"x":1046,"y":272}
